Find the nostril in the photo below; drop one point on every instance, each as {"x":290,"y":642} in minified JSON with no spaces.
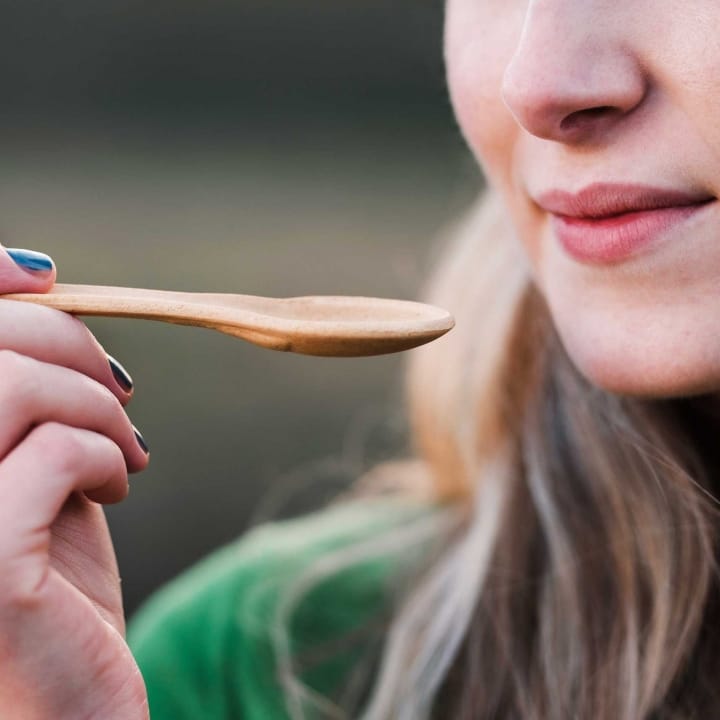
{"x":582,"y":118}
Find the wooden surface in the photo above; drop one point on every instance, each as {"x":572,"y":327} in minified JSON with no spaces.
{"x":325,"y":325}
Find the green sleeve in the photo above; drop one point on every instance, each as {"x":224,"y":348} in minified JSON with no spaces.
{"x":204,"y":643}
{"x":186,"y":644}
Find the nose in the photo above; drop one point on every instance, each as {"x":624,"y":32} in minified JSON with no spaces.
{"x":572,"y":76}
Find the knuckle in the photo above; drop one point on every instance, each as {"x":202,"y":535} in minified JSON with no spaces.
{"x":115,"y":460}
{"x":60,"y":446}
{"x":7,"y":359}
{"x":18,"y":380}
{"x":23,"y":589}
{"x":107,"y":400}
{"x":108,"y":405}
{"x":68,"y":451}
{"x":81,"y":333}
{"x":11,"y":362}
{"x":68,"y":323}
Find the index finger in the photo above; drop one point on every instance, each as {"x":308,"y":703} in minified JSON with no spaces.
{"x":56,"y":337}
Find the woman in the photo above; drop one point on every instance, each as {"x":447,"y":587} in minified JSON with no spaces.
{"x":550,"y":551}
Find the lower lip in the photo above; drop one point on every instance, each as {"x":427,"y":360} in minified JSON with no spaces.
{"x":613,"y":239}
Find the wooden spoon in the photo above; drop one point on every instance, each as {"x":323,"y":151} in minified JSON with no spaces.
{"x":313,"y":325}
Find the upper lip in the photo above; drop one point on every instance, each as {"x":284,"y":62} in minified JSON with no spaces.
{"x":601,"y":200}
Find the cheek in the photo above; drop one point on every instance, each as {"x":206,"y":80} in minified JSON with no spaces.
{"x":478,"y":48}
{"x":477,"y":51}
{"x":690,"y":63}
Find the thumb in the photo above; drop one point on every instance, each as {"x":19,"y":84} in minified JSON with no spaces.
{"x":25,"y":271}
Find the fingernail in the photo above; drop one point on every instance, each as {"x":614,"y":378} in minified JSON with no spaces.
{"x":30,"y":260}
{"x":120,"y":374}
{"x":141,"y":441}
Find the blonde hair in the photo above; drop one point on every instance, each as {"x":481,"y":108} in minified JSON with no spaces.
{"x":572,"y":531}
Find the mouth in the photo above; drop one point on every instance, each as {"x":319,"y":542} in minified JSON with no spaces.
{"x":608,"y":223}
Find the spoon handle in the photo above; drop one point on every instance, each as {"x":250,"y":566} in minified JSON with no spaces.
{"x":108,"y":301}
{"x":180,"y":308}
{"x":116,"y":302}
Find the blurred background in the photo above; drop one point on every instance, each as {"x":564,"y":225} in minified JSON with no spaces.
{"x":273,"y":147}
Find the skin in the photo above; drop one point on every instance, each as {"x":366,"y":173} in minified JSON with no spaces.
{"x":559,"y":94}
{"x":66,"y":447}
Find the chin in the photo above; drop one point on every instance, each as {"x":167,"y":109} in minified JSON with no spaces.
{"x":643,"y":380}
{"x":654,"y":363}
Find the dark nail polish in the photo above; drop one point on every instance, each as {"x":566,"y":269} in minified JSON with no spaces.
{"x":141,"y":441}
{"x":120,"y":374}
{"x":34,"y":262}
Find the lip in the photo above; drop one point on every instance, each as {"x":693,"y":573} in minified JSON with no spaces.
{"x":605,"y":223}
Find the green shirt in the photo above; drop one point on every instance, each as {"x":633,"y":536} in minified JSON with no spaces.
{"x":206,"y":642}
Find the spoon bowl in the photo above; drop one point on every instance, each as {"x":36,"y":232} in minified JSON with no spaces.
{"x":326,"y":325}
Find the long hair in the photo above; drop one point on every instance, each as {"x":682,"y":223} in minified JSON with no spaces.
{"x":572,"y":571}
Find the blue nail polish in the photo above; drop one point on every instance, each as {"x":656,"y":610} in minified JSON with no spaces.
{"x":34,"y":262}
{"x":141,"y":441}
{"x":121,"y":375}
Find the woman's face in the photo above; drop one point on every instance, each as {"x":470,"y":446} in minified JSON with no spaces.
{"x":598,"y":121}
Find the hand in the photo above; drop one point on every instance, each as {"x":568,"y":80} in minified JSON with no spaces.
{"x":66,"y":446}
